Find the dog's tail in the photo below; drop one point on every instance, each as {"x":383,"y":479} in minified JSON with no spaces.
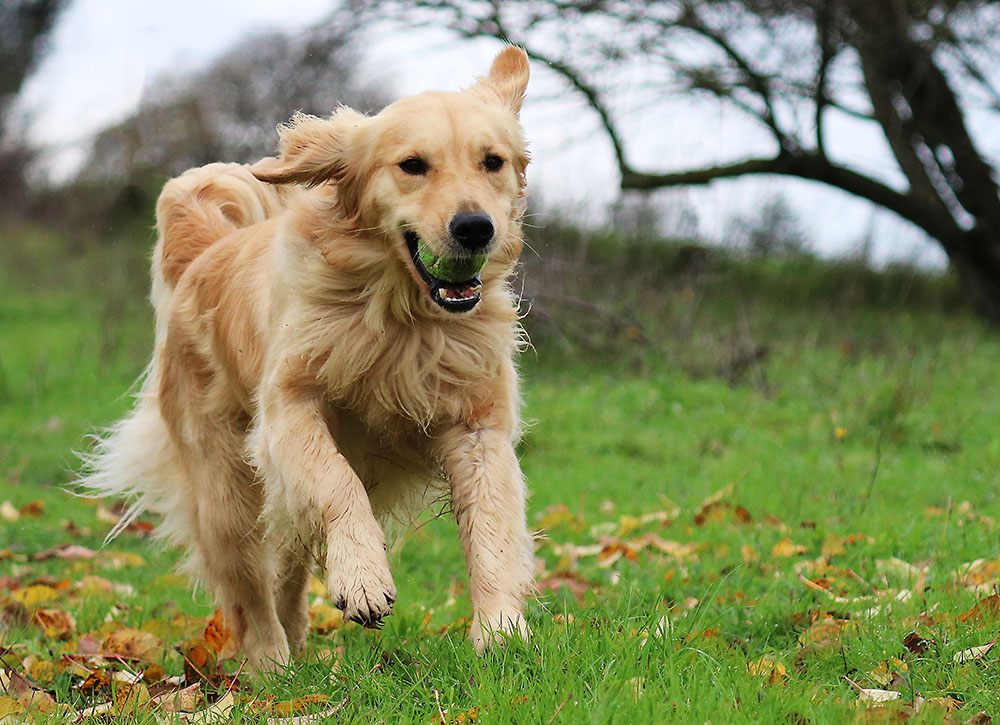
{"x":134,"y":459}
{"x":201,"y":206}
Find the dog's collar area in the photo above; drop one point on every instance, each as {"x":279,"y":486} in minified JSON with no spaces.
{"x":450,"y":296}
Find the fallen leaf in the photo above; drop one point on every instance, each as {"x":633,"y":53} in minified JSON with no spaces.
{"x":874,"y":695}
{"x":833,"y":545}
{"x":985,"y":610}
{"x":33,"y":509}
{"x":200,"y":662}
{"x":133,"y":644}
{"x":769,"y":669}
{"x":323,"y":618}
{"x":55,"y":623}
{"x":560,"y":515}
{"x":577,"y":585}
{"x":130,"y":698}
{"x":217,"y":713}
{"x":8,"y":512}
{"x":787,"y":548}
{"x":10,"y":707}
{"x":974,"y":653}
{"x":68,"y":552}
{"x":32,"y":596}
{"x":886,"y":671}
{"x":188,"y":699}
{"x":916,"y":644}
{"x":217,"y":634}
{"x":635,"y":686}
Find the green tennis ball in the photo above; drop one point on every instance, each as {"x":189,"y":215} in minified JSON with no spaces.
{"x":450,"y":269}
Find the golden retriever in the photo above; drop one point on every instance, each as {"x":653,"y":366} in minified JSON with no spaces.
{"x":335,"y":332}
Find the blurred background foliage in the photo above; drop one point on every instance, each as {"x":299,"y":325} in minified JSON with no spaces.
{"x":644,"y":276}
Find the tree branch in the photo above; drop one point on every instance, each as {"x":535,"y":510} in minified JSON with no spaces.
{"x":589,"y":92}
{"x":812,"y":167}
{"x":754,"y":81}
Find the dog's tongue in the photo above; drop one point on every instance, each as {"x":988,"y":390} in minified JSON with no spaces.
{"x":459,"y":291}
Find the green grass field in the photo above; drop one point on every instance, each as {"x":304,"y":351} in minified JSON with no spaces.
{"x":767,"y":492}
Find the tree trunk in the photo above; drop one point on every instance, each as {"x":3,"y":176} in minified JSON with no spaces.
{"x":925,"y":127}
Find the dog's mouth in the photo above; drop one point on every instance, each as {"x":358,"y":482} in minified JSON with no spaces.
{"x":448,"y":294}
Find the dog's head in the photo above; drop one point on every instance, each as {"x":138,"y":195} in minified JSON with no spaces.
{"x":440,"y":176}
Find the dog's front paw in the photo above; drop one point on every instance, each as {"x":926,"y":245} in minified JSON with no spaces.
{"x":362,"y":588}
{"x":265,"y":655}
{"x":496,"y":628}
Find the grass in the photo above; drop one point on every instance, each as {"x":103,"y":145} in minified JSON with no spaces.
{"x":846,"y":421}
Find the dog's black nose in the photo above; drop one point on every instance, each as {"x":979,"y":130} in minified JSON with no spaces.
{"x":472,"y":229}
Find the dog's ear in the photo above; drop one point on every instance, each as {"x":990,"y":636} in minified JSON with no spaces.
{"x":314,"y":150}
{"x":508,"y":77}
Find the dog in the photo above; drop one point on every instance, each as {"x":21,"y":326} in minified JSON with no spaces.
{"x":335,"y":339}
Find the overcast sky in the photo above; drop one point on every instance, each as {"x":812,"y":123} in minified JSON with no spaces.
{"x":103,"y":54}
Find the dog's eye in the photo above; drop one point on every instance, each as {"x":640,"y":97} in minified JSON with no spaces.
{"x":493,"y":163}
{"x":414,"y":166}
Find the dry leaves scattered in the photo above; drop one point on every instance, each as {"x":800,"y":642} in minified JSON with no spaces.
{"x":845,"y":601}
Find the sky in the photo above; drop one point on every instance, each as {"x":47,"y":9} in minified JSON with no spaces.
{"x":104,"y":53}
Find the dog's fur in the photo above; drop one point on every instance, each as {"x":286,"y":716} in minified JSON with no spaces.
{"x":304,"y":383}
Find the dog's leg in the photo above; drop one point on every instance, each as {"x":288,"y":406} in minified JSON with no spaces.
{"x":487,"y":493}
{"x":231,"y":550}
{"x":293,"y":599}
{"x":310,"y":479}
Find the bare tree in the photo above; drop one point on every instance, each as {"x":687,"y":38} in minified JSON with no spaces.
{"x":918,"y":70}
{"x":229,"y":111}
{"x":24,"y":28}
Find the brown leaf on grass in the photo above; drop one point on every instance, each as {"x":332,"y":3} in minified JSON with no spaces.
{"x":200,"y":662}
{"x":823,"y":631}
{"x":217,"y":634}
{"x":67,"y":552}
{"x":974,"y":653}
{"x":916,"y":644}
{"x":188,"y":699}
{"x":980,"y":718}
{"x":14,"y":683}
{"x":153,"y":674}
{"x":980,"y":575}
{"x":985,"y":610}
{"x":613,"y":551}
{"x":671,"y":548}
{"x":787,"y":548}
{"x":560,"y":515}
{"x":219,"y":712}
{"x":713,"y":511}
{"x":41,"y":671}
{"x":35,"y":594}
{"x":298,"y":706}
{"x":875,"y":695}
{"x":56,"y":623}
{"x":96,"y":682}
{"x":833,"y":545}
{"x":133,"y":644}
{"x":886,"y":673}
{"x":10,"y":707}
{"x":768,"y":668}
{"x":316,"y":717}
{"x":33,"y":509}
{"x":323,"y":618}
{"x":130,"y":698}
{"x":577,"y":585}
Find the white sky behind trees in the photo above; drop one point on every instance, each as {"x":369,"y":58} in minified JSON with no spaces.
{"x":103,"y":54}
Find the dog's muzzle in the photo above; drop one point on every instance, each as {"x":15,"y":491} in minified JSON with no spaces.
{"x":451,"y":295}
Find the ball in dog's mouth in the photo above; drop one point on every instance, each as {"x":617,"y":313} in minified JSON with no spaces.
{"x":453,"y":281}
